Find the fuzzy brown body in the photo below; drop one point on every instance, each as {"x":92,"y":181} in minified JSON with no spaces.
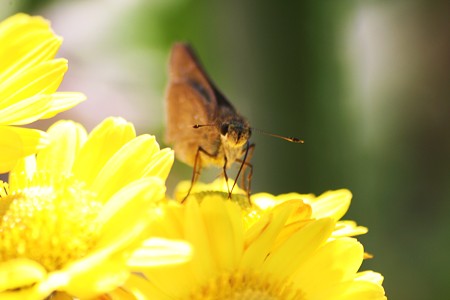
{"x":192,"y":99}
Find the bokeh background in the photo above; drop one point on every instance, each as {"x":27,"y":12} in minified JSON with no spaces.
{"x":365,"y":83}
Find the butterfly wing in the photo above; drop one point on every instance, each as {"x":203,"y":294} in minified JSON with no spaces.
{"x":190,"y":100}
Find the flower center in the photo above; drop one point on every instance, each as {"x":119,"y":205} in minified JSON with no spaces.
{"x":53,"y":224}
{"x":247,"y":286}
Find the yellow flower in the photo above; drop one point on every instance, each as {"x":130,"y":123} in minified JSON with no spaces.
{"x":285,"y":250}
{"x":73,"y":217}
{"x":29,"y":78}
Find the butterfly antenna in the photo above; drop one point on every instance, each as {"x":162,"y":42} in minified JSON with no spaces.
{"x":289,"y":139}
{"x":201,"y":125}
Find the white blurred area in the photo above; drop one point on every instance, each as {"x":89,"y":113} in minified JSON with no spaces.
{"x":118,"y":77}
{"x":398,"y":57}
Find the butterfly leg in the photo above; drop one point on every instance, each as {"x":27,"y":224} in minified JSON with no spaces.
{"x":197,"y":169}
{"x":246,"y":164}
{"x":226,"y":176}
{"x":248,"y":149}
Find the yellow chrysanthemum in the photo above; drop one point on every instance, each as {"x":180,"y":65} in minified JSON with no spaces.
{"x":287,"y":249}
{"x":73,"y":217}
{"x":29,"y":78}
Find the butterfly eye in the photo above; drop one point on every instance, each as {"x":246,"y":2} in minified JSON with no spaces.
{"x":224,"y":128}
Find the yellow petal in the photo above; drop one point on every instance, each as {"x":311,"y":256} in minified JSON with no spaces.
{"x":63,"y":101}
{"x":162,"y":162}
{"x":261,"y":236}
{"x":132,"y":203}
{"x":20,"y":272}
{"x":173,"y":281}
{"x":238,"y":227}
{"x":43,"y":78}
{"x":348,"y":228}
{"x":287,"y":231}
{"x":196,"y":233}
{"x":126,"y":165}
{"x":337,"y":261}
{"x":20,"y":23}
{"x":363,"y":290}
{"x":266,"y":200}
{"x":298,"y":248}
{"x":370,"y":276}
{"x":28,"y":50}
{"x":96,"y":280}
{"x":18,"y":142}
{"x":221,"y":232}
{"x":31,"y":276}
{"x":140,"y":287}
{"x":169,"y":224}
{"x":156,"y":252}
{"x":63,"y":296}
{"x":103,"y":142}
{"x":119,"y":293}
{"x":23,"y":172}
{"x":218,"y":187}
{"x":19,"y":34}
{"x":332,"y":204}
{"x":26,"y":111}
{"x":66,"y":138}
{"x":31,"y":293}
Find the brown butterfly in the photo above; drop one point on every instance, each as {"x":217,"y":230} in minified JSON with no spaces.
{"x":203,"y":126}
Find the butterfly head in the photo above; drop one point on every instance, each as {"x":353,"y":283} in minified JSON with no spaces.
{"x":236,"y":132}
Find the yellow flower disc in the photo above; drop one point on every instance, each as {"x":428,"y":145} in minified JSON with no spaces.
{"x":247,"y":285}
{"x":51,"y":224}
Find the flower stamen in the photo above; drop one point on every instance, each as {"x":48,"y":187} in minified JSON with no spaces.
{"x":247,"y":285}
{"x":60,"y":216}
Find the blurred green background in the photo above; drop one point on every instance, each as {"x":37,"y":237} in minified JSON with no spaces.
{"x":365,"y":83}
